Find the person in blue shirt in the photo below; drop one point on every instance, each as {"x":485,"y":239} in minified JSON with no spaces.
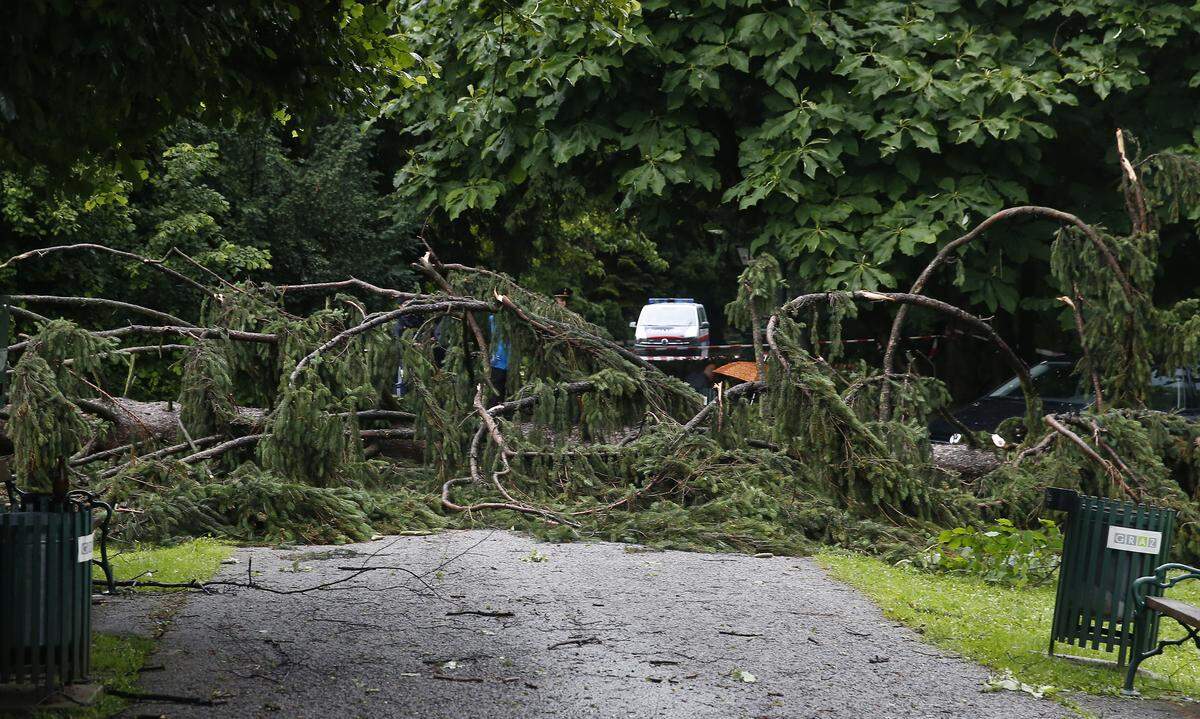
{"x":499,"y":362}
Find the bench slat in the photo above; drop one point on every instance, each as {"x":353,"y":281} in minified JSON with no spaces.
{"x":1182,"y":611}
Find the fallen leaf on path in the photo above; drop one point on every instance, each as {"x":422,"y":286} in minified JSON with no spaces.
{"x":1007,"y":682}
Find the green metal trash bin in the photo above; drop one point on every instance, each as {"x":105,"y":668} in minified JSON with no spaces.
{"x":1107,"y":544}
{"x":45,"y":592}
{"x":46,"y":548}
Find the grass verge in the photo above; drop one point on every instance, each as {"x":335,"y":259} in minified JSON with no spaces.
{"x":1008,"y":629}
{"x":197,"y":559}
{"x":116,"y":661}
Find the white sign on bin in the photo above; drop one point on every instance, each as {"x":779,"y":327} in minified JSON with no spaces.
{"x":87,"y":544}
{"x":1129,"y":539}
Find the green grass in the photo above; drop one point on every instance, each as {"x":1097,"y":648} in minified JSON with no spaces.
{"x":196,"y":559}
{"x":115,"y":663}
{"x":1006,"y":628}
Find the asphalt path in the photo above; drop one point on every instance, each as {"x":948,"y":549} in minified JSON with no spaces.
{"x":496,"y":625}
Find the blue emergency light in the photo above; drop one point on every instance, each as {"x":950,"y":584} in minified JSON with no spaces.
{"x":661,"y":300}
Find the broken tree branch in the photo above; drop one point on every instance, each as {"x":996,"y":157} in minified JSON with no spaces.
{"x":488,"y":424}
{"x":101,"y":302}
{"x":164,"y":452}
{"x":558,"y":330}
{"x":427,"y":265}
{"x":196,"y":333}
{"x":352,"y":283}
{"x":447,"y":304}
{"x":1089,"y":453}
{"x":222,"y":448}
{"x":1077,"y":311}
{"x":918,"y":286}
{"x":907,"y":298}
{"x":158,"y":265}
{"x":744,"y":389}
{"x":1131,"y":186}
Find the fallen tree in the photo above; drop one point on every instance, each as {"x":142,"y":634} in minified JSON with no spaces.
{"x":285,"y":423}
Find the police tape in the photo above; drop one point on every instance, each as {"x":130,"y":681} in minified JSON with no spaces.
{"x":863,"y":340}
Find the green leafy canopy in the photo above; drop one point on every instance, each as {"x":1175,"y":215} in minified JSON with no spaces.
{"x":846,"y":139}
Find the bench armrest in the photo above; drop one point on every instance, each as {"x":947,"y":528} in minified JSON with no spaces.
{"x":1159,"y":580}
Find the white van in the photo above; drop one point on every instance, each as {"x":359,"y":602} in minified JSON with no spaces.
{"x":671,"y":327}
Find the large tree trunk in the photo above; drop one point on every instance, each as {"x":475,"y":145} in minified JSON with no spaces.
{"x":967,"y":462}
{"x":134,"y":421}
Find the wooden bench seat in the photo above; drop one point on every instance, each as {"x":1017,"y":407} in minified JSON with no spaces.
{"x":1148,"y":609}
{"x":1181,"y":611}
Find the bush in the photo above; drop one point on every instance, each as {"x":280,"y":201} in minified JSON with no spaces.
{"x":1001,"y":553}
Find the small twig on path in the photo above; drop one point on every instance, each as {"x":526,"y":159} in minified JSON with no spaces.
{"x":576,"y":643}
{"x":407,"y":571}
{"x":481,"y":613}
{"x":155,"y":697}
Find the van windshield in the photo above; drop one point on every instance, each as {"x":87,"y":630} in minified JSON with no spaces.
{"x":668,"y":314}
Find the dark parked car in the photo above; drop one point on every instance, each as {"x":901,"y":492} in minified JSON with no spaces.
{"x":1060,"y":392}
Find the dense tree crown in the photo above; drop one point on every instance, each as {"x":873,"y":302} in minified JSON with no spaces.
{"x":847,"y":138}
{"x":245,"y":202}
{"x":103,"y":78}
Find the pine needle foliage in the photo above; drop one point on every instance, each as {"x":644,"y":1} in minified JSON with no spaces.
{"x":74,"y":354}
{"x":207,"y":394}
{"x":253,"y":367}
{"x":595,"y":440}
{"x":313,"y":434}
{"x":1172,"y":183}
{"x":1117,"y":328}
{"x":759,"y":288}
{"x":45,"y":426}
{"x":1161,"y":450}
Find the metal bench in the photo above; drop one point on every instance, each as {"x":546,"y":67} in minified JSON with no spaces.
{"x":1148,"y":608}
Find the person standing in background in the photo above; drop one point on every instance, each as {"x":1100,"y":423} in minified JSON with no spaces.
{"x":499,"y":361}
{"x":702,"y":380}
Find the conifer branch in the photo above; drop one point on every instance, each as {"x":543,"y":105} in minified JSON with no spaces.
{"x":1090,"y":453}
{"x":427,"y":265}
{"x":1076,"y":306}
{"x":354,"y":283}
{"x":745,"y":388}
{"x":195,"y":333}
{"x":443,"y":305}
{"x":569,"y":334}
{"x":904,"y":299}
{"x":1135,"y":200}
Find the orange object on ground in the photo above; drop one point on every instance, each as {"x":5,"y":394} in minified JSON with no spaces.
{"x":744,"y":371}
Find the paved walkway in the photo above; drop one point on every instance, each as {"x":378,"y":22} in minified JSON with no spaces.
{"x":497,"y":625}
